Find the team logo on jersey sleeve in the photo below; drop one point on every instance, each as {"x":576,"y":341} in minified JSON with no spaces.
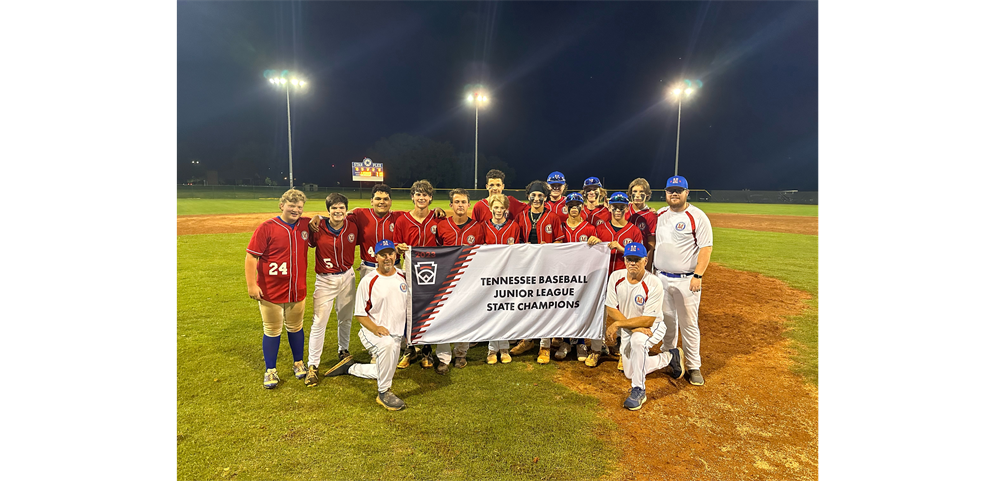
{"x":565,"y":209}
{"x":640,"y":300}
{"x":433,"y":229}
{"x":304,"y":234}
{"x":626,"y":241}
{"x":404,"y":287}
{"x":470,"y":238}
{"x":391,"y":227}
{"x":425,"y":272}
{"x":352,"y":237}
{"x":680,"y":226}
{"x":641,"y":225}
{"x":549,"y":229}
{"x":583,"y":238}
{"x":511,"y":240}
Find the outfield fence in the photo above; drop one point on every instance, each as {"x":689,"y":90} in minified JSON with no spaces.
{"x":312,"y":192}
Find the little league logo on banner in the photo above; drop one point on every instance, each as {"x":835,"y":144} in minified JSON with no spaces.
{"x":504,"y":292}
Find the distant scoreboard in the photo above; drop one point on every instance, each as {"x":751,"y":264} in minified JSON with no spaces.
{"x":367,"y":171}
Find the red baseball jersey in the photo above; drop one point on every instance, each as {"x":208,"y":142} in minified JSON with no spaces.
{"x":548,"y":227}
{"x":606,"y":232}
{"x":450,"y":234}
{"x":507,"y":234}
{"x":334,"y":252}
{"x":282,"y":251}
{"x":597,"y":216}
{"x":559,"y":208}
{"x":416,"y":234}
{"x":645,"y":221}
{"x":372,"y":229}
{"x":482,"y":210}
{"x":581,"y":233}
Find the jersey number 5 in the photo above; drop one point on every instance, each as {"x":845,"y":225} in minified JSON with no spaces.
{"x":273,"y":268}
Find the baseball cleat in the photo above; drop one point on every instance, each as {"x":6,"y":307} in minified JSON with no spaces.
{"x":562,"y":352}
{"x":299,"y":370}
{"x":592,"y":359}
{"x":695,"y":378}
{"x":343,"y":353}
{"x":405,"y":361}
{"x":505,"y":356}
{"x":312,"y":378}
{"x":426,"y":360}
{"x":637,"y":396}
{"x":270,"y":379}
{"x":522,"y":347}
{"x":459,"y":362}
{"x":390,"y":401}
{"x":441,"y":368}
{"x":341,"y":368}
{"x":543,"y":355}
{"x":582,"y":352}
{"x":492,"y":357}
{"x":677,"y":363}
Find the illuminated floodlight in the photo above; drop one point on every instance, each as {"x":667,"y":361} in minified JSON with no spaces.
{"x":302,"y":83}
{"x":477,"y":99}
{"x":677,"y":91}
{"x":283,"y":81}
{"x":293,"y":81}
{"x":688,"y":91}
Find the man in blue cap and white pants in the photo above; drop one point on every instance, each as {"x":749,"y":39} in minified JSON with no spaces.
{"x":683,"y":249}
{"x":634,"y":305}
{"x":382,"y":309}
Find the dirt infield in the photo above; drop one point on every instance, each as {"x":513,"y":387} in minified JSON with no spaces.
{"x":753,"y":419}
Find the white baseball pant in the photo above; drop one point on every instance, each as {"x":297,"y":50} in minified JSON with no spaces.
{"x":680,"y":309}
{"x":635,"y":348}
{"x":328,"y":289}
{"x":445,"y":352}
{"x":386,"y":351}
{"x":496,"y":346}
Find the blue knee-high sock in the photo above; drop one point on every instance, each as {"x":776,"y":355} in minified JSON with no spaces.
{"x":271,"y":346}
{"x":296,"y":340}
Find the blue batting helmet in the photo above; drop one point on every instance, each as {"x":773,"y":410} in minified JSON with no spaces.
{"x":592,"y":182}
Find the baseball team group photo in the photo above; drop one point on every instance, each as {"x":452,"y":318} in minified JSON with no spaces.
{"x":598,"y":289}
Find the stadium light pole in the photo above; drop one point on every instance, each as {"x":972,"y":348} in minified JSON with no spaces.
{"x":477,"y":98}
{"x":283,"y":83}
{"x":681,"y":92}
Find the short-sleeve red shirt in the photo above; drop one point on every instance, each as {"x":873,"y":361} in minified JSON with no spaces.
{"x":372,"y":229}
{"x":507,"y":234}
{"x":482,"y":210}
{"x":334,"y":252}
{"x":282,"y":252}
{"x":581,"y":233}
{"x":597,"y":216}
{"x":414,"y":233}
{"x":625,"y":235}
{"x":450,"y":234}
{"x":548,"y":227}
{"x":645,"y":221}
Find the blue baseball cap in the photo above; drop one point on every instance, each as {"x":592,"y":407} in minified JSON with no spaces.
{"x":677,"y":181}
{"x":574,"y":197}
{"x":635,"y":249}
{"x":618,"y":198}
{"x":383,"y":244}
{"x":556,"y":178}
{"x":592,"y":182}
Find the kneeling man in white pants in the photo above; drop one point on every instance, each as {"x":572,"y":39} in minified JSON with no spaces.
{"x":381,"y":308}
{"x":634,"y":304}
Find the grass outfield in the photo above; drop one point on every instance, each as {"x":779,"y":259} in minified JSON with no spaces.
{"x":484,"y":422}
{"x":253,"y":206}
{"x":481,"y":422}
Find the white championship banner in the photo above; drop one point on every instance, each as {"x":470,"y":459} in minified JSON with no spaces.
{"x":504,"y":292}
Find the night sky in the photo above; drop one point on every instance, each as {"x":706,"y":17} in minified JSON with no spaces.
{"x":575,"y":87}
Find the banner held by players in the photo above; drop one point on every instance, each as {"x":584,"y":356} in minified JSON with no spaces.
{"x":503,"y":292}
